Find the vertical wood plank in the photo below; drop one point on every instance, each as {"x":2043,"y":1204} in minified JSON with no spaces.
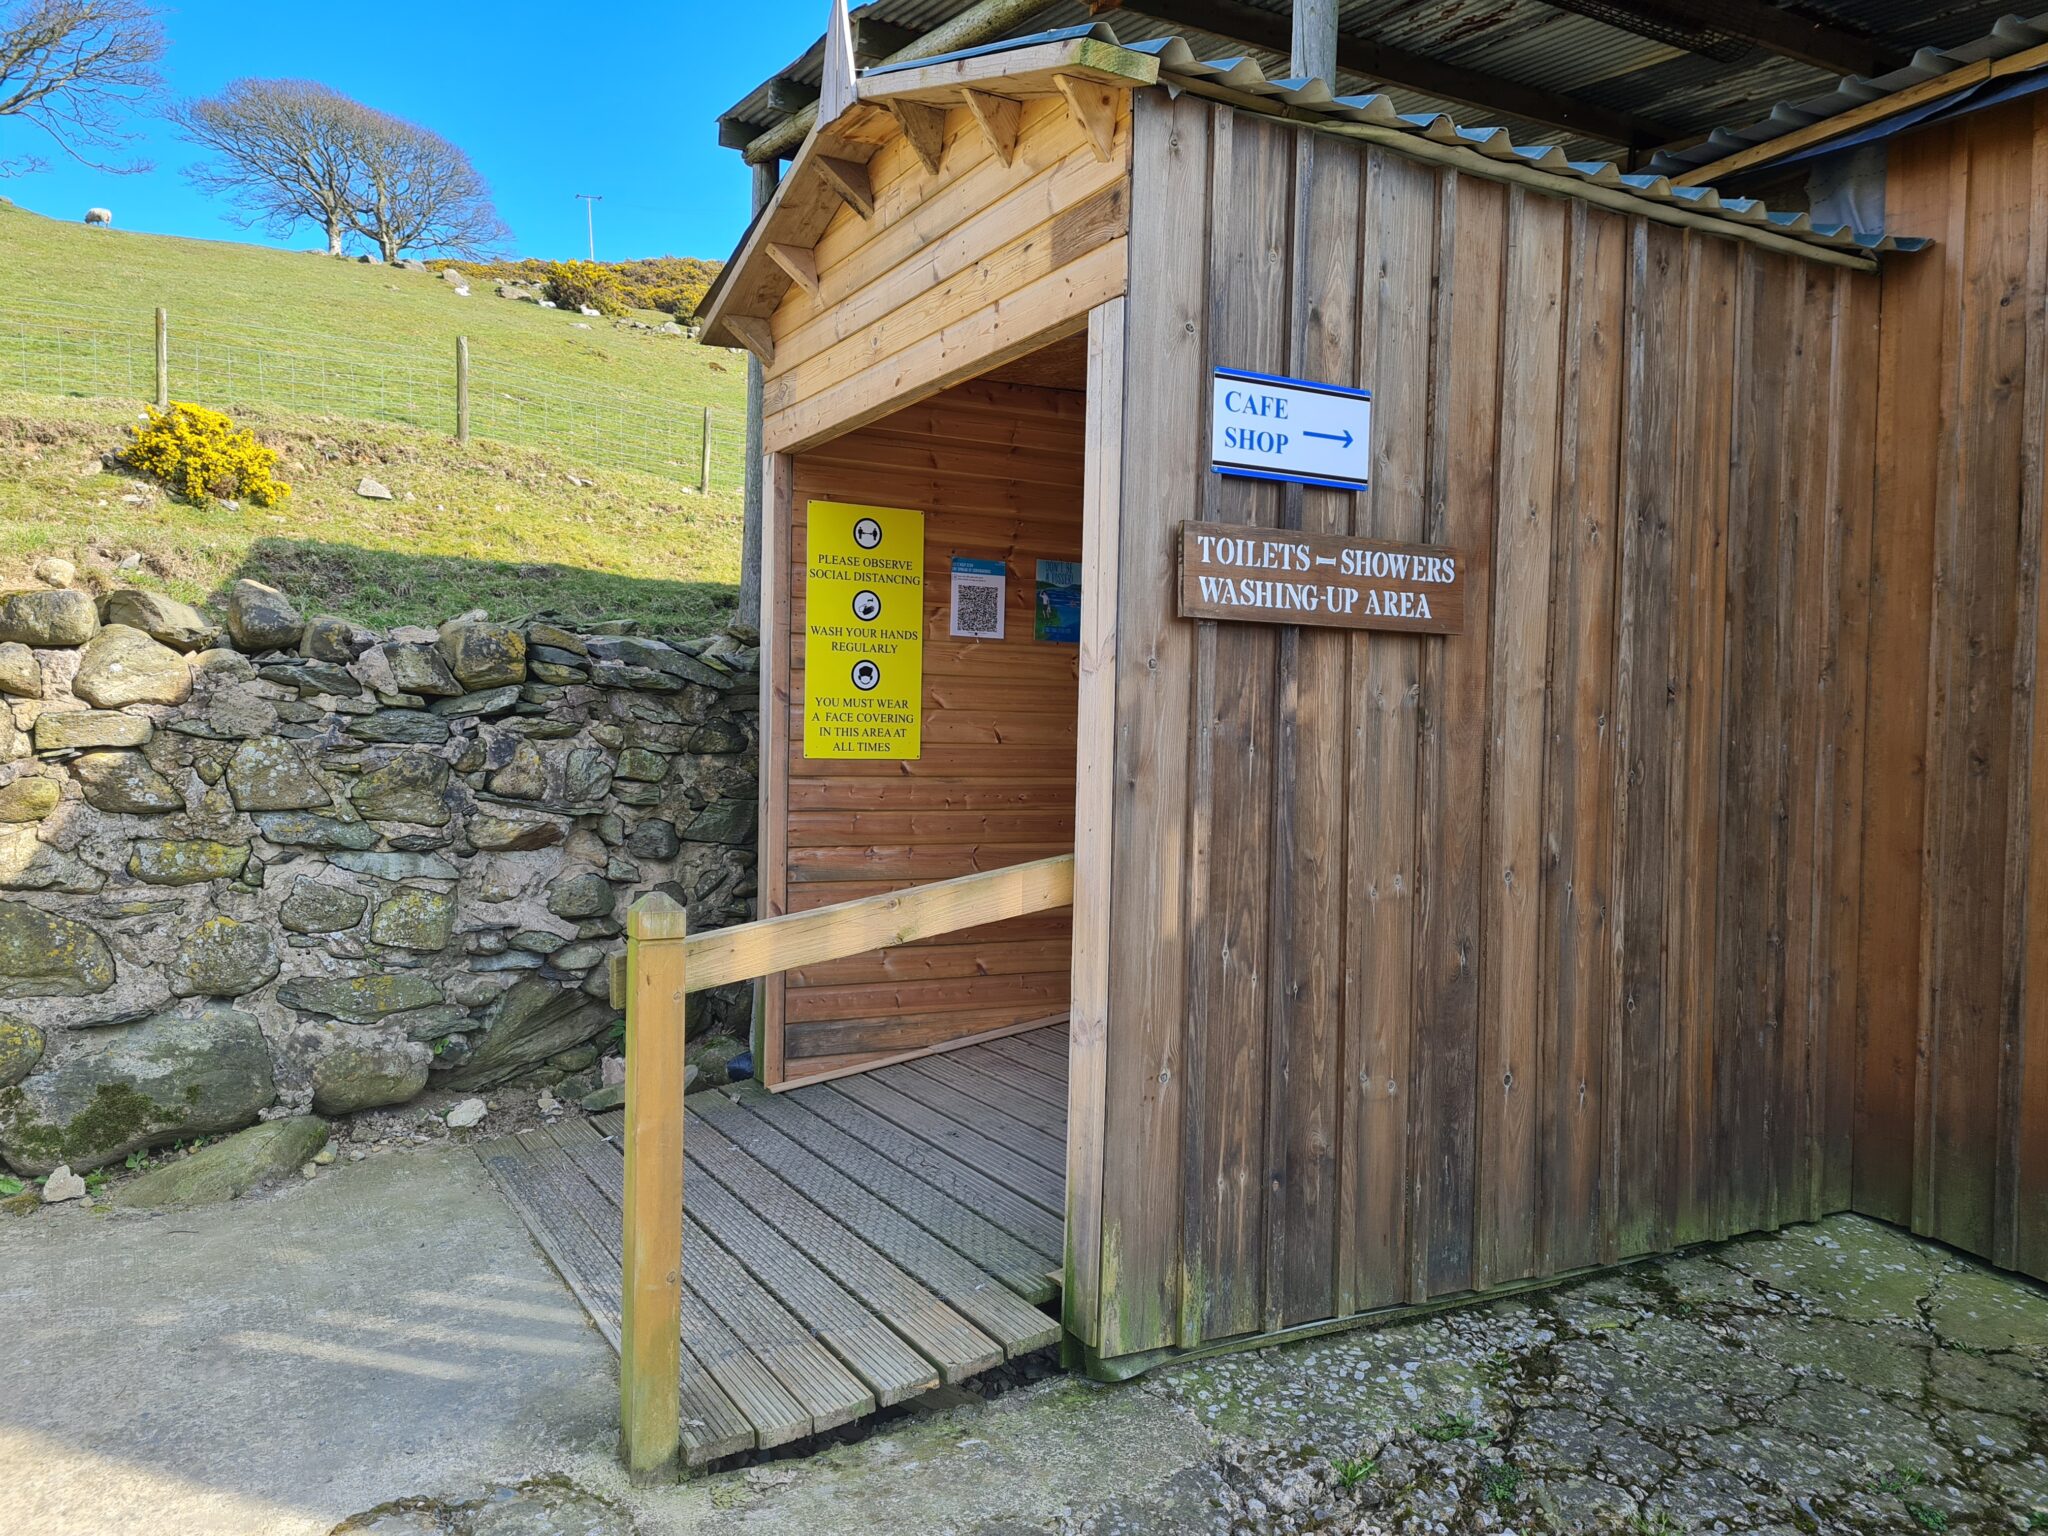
{"x":1166,"y":362}
{"x":1851,"y":502}
{"x":1971,"y":744}
{"x":1578,"y":769}
{"x":1693,"y":846}
{"x":1401,"y":252}
{"x":1751,"y":984}
{"x":771,"y":863}
{"x":1643,"y":683}
{"x":1510,"y":1080}
{"x":651,"y":1319}
{"x":1094,"y":827}
{"x":1305,"y":996}
{"x":1912,"y":349}
{"x":1451,"y":686}
{"x":1230,"y":801}
{"x":2021,"y":1239}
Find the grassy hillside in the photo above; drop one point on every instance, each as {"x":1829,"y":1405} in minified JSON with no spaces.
{"x":216,"y":287}
{"x":256,"y":332}
{"x":485,"y":526}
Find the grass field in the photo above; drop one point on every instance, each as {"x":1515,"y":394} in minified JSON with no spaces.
{"x":215,"y":286}
{"x":487,"y":526}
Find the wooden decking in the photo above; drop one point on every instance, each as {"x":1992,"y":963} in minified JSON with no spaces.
{"x":846,"y":1245}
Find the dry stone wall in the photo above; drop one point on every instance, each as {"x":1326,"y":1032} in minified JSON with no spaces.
{"x":280,"y":863}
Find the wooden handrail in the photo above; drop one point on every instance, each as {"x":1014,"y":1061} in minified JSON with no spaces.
{"x":663,"y":964}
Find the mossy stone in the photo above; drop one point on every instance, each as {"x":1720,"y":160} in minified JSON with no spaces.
{"x":21,"y":1047}
{"x":584,"y":895}
{"x":20,"y":673}
{"x":412,"y":787}
{"x":229,"y":1168}
{"x":28,"y":800}
{"x":223,"y":958}
{"x":44,"y":955}
{"x":142,"y":1085}
{"x":483,"y":655}
{"x":192,"y":861}
{"x":48,"y":619}
{"x":368,"y":1074}
{"x":261,"y":618}
{"x":730,"y":822}
{"x":82,"y":730}
{"x":314,"y":906}
{"x":122,"y":666}
{"x":164,"y":619}
{"x":305,"y":829}
{"x":359,"y":999}
{"x":416,"y":920}
{"x":508,"y":834}
{"x":123,"y":783}
{"x":267,"y":774}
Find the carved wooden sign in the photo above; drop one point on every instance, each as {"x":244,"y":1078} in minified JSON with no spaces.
{"x":1282,"y":576}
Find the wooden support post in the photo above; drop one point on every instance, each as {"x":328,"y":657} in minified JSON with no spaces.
{"x":163,"y":358}
{"x":462,"y":389}
{"x":651,"y":1324}
{"x":1315,"y":41}
{"x":704,"y":464}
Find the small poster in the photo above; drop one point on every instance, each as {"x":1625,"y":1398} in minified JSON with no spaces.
{"x":978,"y":590}
{"x":1056,"y":612}
{"x":863,"y":631}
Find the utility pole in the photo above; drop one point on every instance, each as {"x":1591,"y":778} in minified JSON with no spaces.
{"x":590,"y":202}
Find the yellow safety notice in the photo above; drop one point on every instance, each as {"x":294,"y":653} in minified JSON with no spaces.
{"x":863,"y":632}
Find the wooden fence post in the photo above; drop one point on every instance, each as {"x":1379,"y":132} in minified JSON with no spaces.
{"x":462,"y":389}
{"x":651,"y":1326}
{"x":163,"y":358}
{"x":704,"y":466}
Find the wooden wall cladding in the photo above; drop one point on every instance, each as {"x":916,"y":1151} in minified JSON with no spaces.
{"x":1439,"y":963}
{"x":1952,"y":999}
{"x":997,"y":470}
{"x":954,"y":274}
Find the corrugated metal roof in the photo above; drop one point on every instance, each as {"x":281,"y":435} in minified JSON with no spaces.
{"x":2012,"y":35}
{"x":1526,"y":42}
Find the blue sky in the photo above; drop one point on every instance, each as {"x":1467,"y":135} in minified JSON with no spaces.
{"x":629,"y":115}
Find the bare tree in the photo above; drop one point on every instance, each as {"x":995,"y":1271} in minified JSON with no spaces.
{"x":75,"y":69}
{"x":283,"y":151}
{"x":421,"y":193}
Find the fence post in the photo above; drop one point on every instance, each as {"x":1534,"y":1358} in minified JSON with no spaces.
{"x":651,"y":1324}
{"x":462,"y":389}
{"x":704,"y":467}
{"x":163,"y":358}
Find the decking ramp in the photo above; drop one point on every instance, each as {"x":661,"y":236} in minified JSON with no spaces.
{"x":846,"y":1244}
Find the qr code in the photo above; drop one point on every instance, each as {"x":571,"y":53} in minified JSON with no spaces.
{"x":978,"y":610}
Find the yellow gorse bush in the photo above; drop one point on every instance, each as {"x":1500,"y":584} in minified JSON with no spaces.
{"x":203,"y":456}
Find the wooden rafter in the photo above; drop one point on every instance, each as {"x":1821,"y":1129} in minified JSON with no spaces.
{"x":1093,"y":109}
{"x":752,"y":332}
{"x":924,"y":126}
{"x":1492,"y":94}
{"x":799,"y":263}
{"x":849,"y":182}
{"x":997,"y":118}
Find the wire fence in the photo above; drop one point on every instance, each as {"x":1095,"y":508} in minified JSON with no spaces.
{"x":55,"y":349}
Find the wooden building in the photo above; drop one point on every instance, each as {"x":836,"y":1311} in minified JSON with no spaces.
{"x":1678,"y":888}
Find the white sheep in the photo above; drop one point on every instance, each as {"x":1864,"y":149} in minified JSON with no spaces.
{"x":103,"y":216}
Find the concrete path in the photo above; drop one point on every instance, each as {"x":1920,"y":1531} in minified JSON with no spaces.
{"x":281,"y":1362}
{"x":384,"y":1344}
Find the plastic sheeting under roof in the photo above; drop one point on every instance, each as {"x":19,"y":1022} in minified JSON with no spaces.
{"x":1639,"y":69}
{"x":2011,"y":35}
